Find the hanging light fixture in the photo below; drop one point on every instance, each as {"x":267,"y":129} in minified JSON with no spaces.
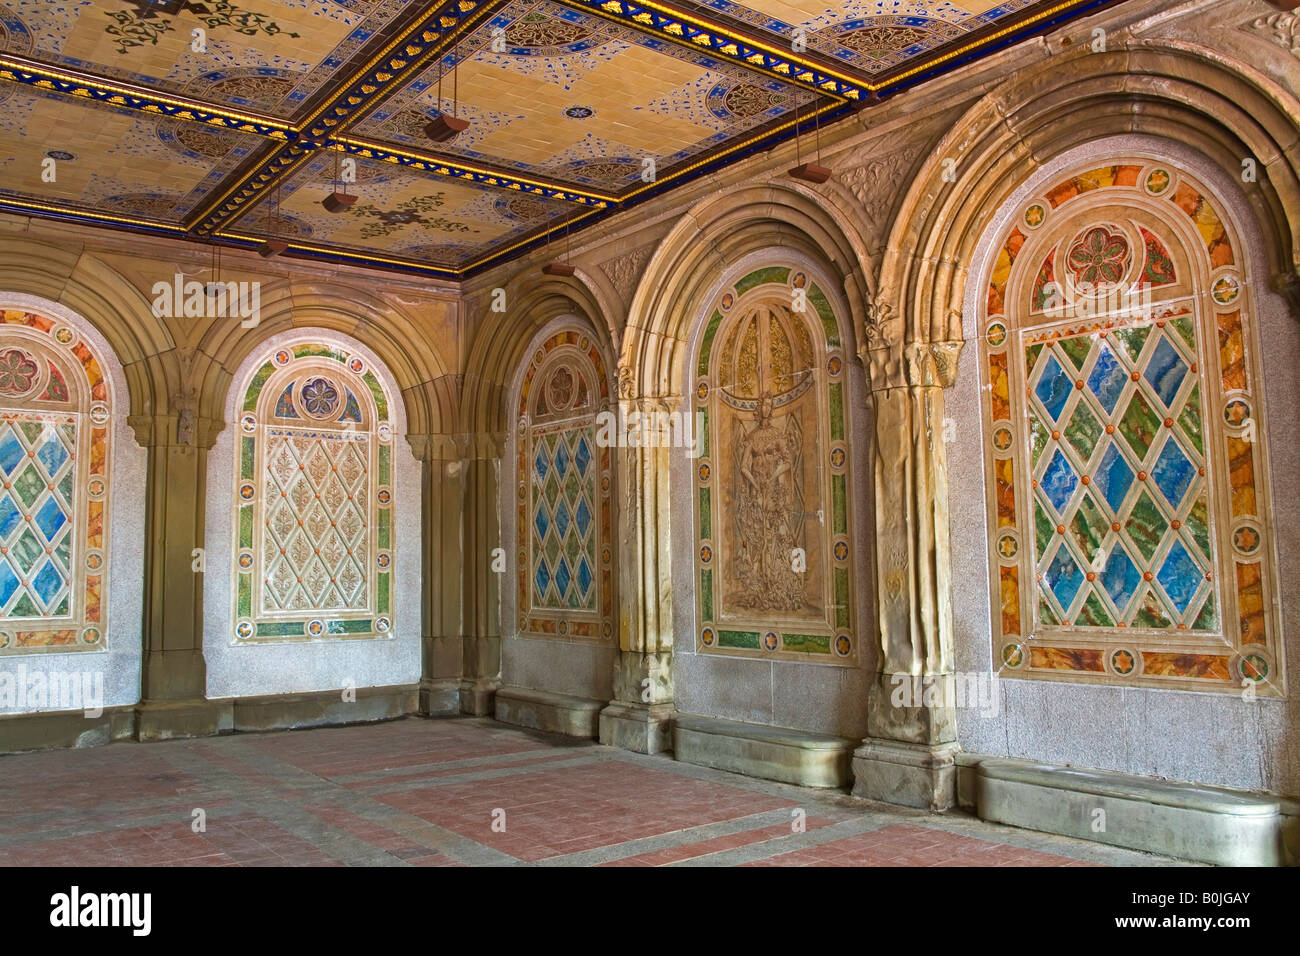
{"x":274,"y":246}
{"x":809,"y":172}
{"x":557,"y":268}
{"x":442,"y":127}
{"x":338,"y":200}
{"x":214,"y":286}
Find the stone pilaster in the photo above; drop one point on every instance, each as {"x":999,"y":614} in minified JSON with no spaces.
{"x":440,"y":641}
{"x":639,"y":716}
{"x":909,"y":754}
{"x":174,"y":678}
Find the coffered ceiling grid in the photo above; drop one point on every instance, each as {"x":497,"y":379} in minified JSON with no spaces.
{"x":222,"y":123}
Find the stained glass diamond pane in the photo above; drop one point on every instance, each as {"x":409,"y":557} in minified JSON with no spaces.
{"x":48,"y":582}
{"x":542,"y":577}
{"x":1083,"y":432}
{"x":540,"y":521}
{"x":10,"y":516}
{"x":8,"y":583}
{"x":584,"y":577}
{"x":50,"y":518}
{"x":1059,"y":481}
{"x":1053,"y":388}
{"x":1107,"y":379}
{"x":1120,"y":577}
{"x":562,"y":459}
{"x":1165,"y":371}
{"x":52,"y":454}
{"x":583,"y":517}
{"x":11,"y":451}
{"x":1180,"y":576}
{"x":1139,"y":425}
{"x":541,"y":463}
{"x":1173,"y":473}
{"x":563,"y":577}
{"x":561,"y":518}
{"x":582,"y":457}
{"x":1063,"y":577}
{"x":1114,"y":477}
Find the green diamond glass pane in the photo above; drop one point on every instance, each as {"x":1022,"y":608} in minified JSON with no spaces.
{"x":1046,"y":614}
{"x":1043,"y":527}
{"x":1139,"y":426}
{"x":1038,"y":436}
{"x":26,"y":550}
{"x":28,"y":486}
{"x":32,"y":431}
{"x":1190,"y":419}
{"x":1146,"y":525}
{"x":64,"y":487}
{"x":1031,"y":357}
{"x":1206,"y":620}
{"x":1089,"y":526}
{"x":1077,"y":349}
{"x":1132,"y":340}
{"x":1198,"y":524}
{"x":571,"y":486}
{"x":552,"y":548}
{"x":1151,"y":612}
{"x":1186,"y":329}
{"x":551,"y":490}
{"x":1083,"y":431}
{"x":572,"y":547}
{"x":1094,"y":613}
{"x":25,"y":607}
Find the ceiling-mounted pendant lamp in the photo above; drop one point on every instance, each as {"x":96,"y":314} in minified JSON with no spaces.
{"x":338,"y":200}
{"x":442,"y":127}
{"x":274,"y":246}
{"x":809,"y":172}
{"x":558,"y":268}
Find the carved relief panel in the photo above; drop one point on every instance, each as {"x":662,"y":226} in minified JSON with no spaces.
{"x":772,"y":508}
{"x":1129,"y":532}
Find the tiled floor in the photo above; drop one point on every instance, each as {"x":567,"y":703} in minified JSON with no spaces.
{"x":457,"y":793}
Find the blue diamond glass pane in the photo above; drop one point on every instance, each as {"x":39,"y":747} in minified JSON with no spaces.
{"x":1166,"y":371}
{"x":8,"y":582}
{"x":563,"y":577}
{"x":562,"y":460}
{"x":582,"y":457}
{"x":1114,"y":477}
{"x":1053,"y":388}
{"x":1064,"y":577}
{"x":1180,"y":576}
{"x":584,"y":577}
{"x":542,"y":577}
{"x":562,"y":519}
{"x":48,"y":582}
{"x":1059,"y":481}
{"x":50,"y":518}
{"x":1107,"y":379}
{"x":52,"y":455}
{"x":540,"y":521}
{"x":10,"y":516}
{"x":583,"y":517}
{"x":1120,"y":577}
{"x":11,"y":452}
{"x":541,"y":463}
{"x":1173,"y":473}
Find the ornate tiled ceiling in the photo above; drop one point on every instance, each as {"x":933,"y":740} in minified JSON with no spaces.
{"x":228,"y":122}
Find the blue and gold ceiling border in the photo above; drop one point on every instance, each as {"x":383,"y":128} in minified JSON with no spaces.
{"x":433,"y":33}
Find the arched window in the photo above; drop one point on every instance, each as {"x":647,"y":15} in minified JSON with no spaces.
{"x":564,"y":494}
{"x":313,"y":547}
{"x":1124,"y":439}
{"x":55,"y":449}
{"x":773,"y":556}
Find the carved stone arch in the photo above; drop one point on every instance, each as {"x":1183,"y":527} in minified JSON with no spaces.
{"x":1179,"y":91}
{"x":708,"y":240}
{"x":501,"y":342}
{"x":109,"y":302}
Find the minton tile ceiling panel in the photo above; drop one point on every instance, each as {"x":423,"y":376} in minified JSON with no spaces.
{"x":576,"y":98}
{"x":112,"y":161}
{"x":268,"y":56}
{"x":400,"y":213}
{"x":873,"y":36}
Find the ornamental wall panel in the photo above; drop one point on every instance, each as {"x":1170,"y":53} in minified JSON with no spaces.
{"x":1129,"y":532}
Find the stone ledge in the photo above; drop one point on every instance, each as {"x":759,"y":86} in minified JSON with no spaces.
{"x":324,"y":708}
{"x":1182,"y":820}
{"x":48,"y":730}
{"x":773,"y":753}
{"x":555,"y":713}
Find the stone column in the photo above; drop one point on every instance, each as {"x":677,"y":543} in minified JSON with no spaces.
{"x":480,"y":477}
{"x":174,"y":679}
{"x":440,"y":641}
{"x":908,"y":756}
{"x":639,"y":716}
